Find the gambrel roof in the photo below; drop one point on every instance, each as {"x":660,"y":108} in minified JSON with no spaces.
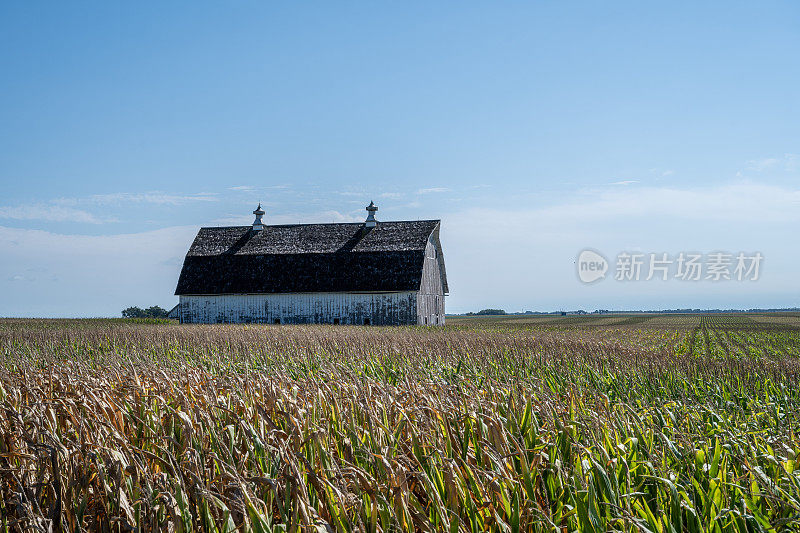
{"x":309,"y":258}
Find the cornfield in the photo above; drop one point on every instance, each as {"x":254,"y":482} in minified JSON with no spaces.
{"x":638,"y":423}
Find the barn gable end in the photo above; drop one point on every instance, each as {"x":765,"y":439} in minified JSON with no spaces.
{"x":430,"y":298}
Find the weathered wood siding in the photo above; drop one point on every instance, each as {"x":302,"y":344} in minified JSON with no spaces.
{"x":392,"y":308}
{"x":430,"y":299}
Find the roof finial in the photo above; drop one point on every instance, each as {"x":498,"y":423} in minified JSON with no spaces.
{"x":371,"y":222}
{"x":258,"y":224}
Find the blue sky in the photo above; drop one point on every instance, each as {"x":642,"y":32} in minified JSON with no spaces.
{"x":533,"y":130}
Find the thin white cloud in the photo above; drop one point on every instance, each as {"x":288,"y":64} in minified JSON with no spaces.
{"x":737,"y":201}
{"x":625,"y":182}
{"x":76,"y":209}
{"x":53,"y":213}
{"x":791,"y":161}
{"x":322,"y":217}
{"x":255,"y":188}
{"x":366,"y":196}
{"x":152,"y":197}
{"x":661,"y":172}
{"x":233,"y":220}
{"x":786,"y":162}
{"x":760,"y":165}
{"x":430,"y":190}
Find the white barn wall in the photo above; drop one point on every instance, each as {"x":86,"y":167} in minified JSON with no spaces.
{"x":430,"y":299}
{"x":386,"y":308}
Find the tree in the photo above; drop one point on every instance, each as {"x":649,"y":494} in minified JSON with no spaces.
{"x":156,"y":312}
{"x":133,"y":312}
{"x":151,"y":312}
{"x":491,"y":312}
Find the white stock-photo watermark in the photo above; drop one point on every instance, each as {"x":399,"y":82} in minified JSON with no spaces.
{"x":684,"y":266}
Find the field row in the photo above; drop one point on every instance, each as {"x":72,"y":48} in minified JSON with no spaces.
{"x":766,"y":321}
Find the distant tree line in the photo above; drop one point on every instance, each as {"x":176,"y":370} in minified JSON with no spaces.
{"x":151,"y":312}
{"x":488,"y":312}
{"x":634,"y":311}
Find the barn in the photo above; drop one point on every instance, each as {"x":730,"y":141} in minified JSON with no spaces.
{"x":370,"y":273}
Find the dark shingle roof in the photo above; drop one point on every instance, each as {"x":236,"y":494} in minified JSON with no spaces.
{"x":307,"y":258}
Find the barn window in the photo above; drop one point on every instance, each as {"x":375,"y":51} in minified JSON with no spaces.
{"x":366,"y":321}
{"x":335,"y":321}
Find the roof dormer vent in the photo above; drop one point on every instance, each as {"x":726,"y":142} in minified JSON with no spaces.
{"x":371,"y":222}
{"x":258,"y":224}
